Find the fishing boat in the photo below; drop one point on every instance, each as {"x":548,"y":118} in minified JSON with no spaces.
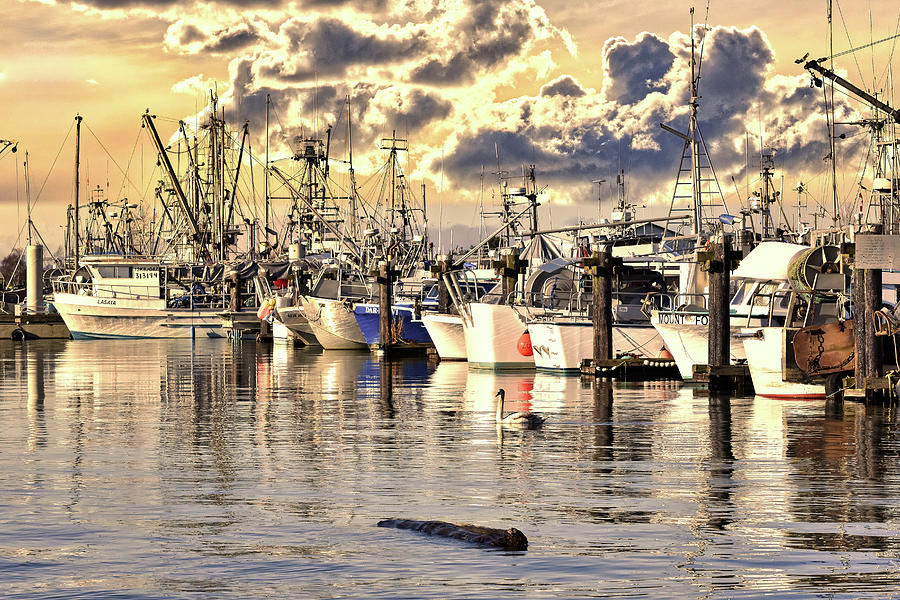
{"x":168,"y":280}
{"x":123,"y":297}
{"x":685,"y":329}
{"x":806,"y":354}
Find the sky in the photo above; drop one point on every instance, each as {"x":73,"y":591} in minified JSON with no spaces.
{"x":577,"y":88}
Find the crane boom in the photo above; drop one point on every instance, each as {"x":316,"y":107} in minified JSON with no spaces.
{"x":814,"y":66}
{"x":170,"y":171}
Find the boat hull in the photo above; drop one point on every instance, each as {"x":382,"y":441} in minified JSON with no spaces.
{"x":447,"y":334}
{"x":334,"y":324}
{"x":410,"y":330}
{"x":563,"y":345}
{"x":765,"y":356}
{"x":686,"y":337}
{"x":92,"y":317}
{"x":292,"y":318}
{"x":492,"y":334}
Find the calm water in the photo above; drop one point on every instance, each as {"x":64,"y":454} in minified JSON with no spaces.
{"x":166,"y":469}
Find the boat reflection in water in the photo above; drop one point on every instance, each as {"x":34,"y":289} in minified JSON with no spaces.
{"x":219,"y":457}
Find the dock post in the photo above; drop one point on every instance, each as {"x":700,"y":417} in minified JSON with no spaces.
{"x":234,"y":301}
{"x":510,"y":272}
{"x":872,"y":280}
{"x":866,"y":300}
{"x":384,"y":305}
{"x":443,"y":267}
{"x":601,"y":269}
{"x":719,"y":347}
{"x":34,"y":289}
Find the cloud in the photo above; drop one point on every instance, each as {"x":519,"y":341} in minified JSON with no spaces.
{"x":634,"y":69}
{"x":563,"y":85}
{"x":467,"y":80}
{"x":575,"y":137}
{"x":195,"y":36}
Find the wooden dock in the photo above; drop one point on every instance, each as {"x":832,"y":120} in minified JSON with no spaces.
{"x":725,"y":378}
{"x":631,"y":368}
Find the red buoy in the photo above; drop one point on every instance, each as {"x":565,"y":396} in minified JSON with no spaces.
{"x":524,"y":345}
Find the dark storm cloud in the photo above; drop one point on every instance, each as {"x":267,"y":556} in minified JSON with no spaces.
{"x":231,"y":40}
{"x":734,"y":72}
{"x":329,"y":46}
{"x":563,"y":86}
{"x":489,"y":35}
{"x":122,"y":4}
{"x":574,"y":137}
{"x":636,"y":69}
{"x":189,"y":34}
{"x":418,"y":110}
{"x":458,"y":70}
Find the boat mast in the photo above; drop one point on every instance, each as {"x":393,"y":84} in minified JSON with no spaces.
{"x":28,"y":198}
{"x":831,"y":141}
{"x":692,"y":134}
{"x":354,"y":211}
{"x":266,"y":228}
{"x":77,"y":185}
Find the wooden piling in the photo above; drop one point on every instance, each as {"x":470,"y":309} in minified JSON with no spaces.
{"x":384,"y":305}
{"x":719,"y":347}
{"x":509,"y":272}
{"x":234,"y":304}
{"x":443,"y":267}
{"x":601,"y":269}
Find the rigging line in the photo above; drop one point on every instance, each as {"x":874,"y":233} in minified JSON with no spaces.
{"x":864,"y":46}
{"x":893,"y":47}
{"x":872,"y":54}
{"x":124,"y":173}
{"x":703,"y":42}
{"x":36,"y":198}
{"x":850,"y":42}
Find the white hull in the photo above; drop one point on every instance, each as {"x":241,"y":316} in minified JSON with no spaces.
{"x":292,"y":318}
{"x":98,"y":317}
{"x":563,"y":345}
{"x":765,"y":356}
{"x":492,"y":333}
{"x":334,"y":324}
{"x":688,"y":342}
{"x":447,"y":334}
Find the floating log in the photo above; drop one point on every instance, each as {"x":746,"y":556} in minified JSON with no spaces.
{"x":508,"y":539}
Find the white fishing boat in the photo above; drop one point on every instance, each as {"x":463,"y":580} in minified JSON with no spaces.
{"x":492,"y":334}
{"x":812,"y":346}
{"x":333,"y":323}
{"x":764,"y":348}
{"x":563,"y":336}
{"x":762,"y":273}
{"x":447,"y":335}
{"x":121,"y":297}
{"x":291,"y":317}
{"x":561,"y":345}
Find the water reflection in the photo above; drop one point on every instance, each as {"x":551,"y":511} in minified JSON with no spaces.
{"x":255,"y":471}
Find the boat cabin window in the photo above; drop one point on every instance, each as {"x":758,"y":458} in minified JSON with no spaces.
{"x":742,"y":292}
{"x":114,"y":272}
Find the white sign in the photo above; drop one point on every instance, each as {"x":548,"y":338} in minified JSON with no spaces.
{"x":877,"y":251}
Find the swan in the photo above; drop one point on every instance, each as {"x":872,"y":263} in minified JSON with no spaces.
{"x":525,"y":420}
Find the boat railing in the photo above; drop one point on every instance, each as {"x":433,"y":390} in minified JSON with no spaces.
{"x":685,"y":302}
{"x":100,"y":290}
{"x":626,"y":306}
{"x":769,"y":300}
{"x":197,"y":297}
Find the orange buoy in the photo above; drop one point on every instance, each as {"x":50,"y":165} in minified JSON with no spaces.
{"x":664,"y":353}
{"x":524,"y":345}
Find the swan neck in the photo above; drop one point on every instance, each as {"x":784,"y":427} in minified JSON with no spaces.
{"x":500,"y":408}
